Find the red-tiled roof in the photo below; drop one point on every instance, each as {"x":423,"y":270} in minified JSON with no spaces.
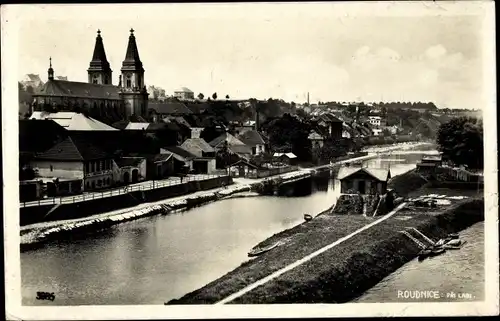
{"x":78,"y":89}
{"x":72,"y":149}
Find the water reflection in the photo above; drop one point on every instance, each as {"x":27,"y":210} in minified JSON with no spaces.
{"x":155,"y":259}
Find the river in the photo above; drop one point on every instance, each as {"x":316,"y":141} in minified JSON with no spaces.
{"x":460,"y":272}
{"x":155,"y":259}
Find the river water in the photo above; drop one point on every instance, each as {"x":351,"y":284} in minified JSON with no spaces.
{"x":460,"y":272}
{"x":156,"y":259}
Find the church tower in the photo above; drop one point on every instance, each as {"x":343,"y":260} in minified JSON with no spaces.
{"x":133,"y":90}
{"x":99,"y":71}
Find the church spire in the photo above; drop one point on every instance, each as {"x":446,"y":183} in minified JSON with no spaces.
{"x":132,"y":61}
{"x":99,"y":70}
{"x":50,"y":71}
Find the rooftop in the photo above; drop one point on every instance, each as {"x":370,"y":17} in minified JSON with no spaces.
{"x":72,"y":120}
{"x":72,"y":149}
{"x":380,"y":174}
{"x":66,"y":88}
{"x":170,"y":108}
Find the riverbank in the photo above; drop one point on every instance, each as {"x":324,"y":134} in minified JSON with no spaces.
{"x":35,"y":235}
{"x":344,"y":271}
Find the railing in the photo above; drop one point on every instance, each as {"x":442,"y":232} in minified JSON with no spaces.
{"x":141,"y":186}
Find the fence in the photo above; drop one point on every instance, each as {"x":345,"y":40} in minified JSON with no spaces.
{"x":458,"y":174}
{"x":142,"y":186}
{"x":259,"y":173}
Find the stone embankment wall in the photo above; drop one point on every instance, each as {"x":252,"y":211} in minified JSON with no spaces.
{"x":35,"y":214}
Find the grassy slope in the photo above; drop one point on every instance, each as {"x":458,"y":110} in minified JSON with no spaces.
{"x":343,"y":272}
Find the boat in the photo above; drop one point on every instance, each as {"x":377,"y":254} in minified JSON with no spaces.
{"x":454,"y":242}
{"x":260,"y":250}
{"x":308,"y":217}
{"x":437,"y":251}
{"x":425,"y":253}
{"x":454,"y":247}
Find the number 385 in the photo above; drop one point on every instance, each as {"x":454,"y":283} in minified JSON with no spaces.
{"x":45,"y":296}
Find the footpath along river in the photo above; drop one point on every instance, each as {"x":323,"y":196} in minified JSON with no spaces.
{"x":156,"y":259}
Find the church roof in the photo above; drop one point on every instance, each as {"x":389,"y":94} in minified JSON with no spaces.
{"x":63,"y":88}
{"x":72,"y":121}
{"x":72,"y":149}
{"x":99,"y":61}
{"x":132,"y":60}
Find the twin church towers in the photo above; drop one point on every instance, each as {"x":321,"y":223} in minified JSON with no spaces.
{"x":130,"y":95}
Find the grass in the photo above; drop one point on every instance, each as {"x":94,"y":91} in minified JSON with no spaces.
{"x":341,"y":273}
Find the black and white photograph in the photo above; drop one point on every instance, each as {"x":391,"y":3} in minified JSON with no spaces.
{"x":173,"y":160}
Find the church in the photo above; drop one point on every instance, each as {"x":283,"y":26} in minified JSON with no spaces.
{"x":99,"y":98}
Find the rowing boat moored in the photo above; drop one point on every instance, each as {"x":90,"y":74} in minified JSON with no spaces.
{"x":261,"y":250}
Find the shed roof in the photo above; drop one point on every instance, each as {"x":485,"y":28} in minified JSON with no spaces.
{"x":289,"y":155}
{"x":380,"y":174}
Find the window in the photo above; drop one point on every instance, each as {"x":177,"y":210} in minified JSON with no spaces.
{"x":106,"y":80}
{"x":92,"y":166}
{"x":51,"y":168}
{"x":129,"y":81}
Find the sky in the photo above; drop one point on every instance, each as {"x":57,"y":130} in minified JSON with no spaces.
{"x":334,"y":51}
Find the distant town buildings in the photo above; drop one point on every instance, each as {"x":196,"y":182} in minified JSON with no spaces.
{"x":184,"y":93}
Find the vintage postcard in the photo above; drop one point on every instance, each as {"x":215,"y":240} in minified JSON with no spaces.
{"x":210,"y":160}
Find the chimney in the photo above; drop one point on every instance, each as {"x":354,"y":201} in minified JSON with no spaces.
{"x":195,"y":132}
{"x":257,"y":118}
{"x":308,"y":99}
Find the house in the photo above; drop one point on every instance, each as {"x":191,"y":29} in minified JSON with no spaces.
{"x":184,"y":93}
{"x":254,"y":140}
{"x":375,"y":120}
{"x":233,"y":145}
{"x":332,"y":123}
{"x":72,"y":121}
{"x":161,"y":166}
{"x":75,"y":165}
{"x":317,"y":141}
{"x":286,"y":158}
{"x":243,"y":168}
{"x":204,"y":163}
{"x":429,"y":164}
{"x":182,"y":159}
{"x":362,"y":180}
{"x":128,"y":170}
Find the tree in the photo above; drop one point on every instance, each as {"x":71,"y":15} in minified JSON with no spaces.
{"x":227,"y":96}
{"x":201,"y":96}
{"x":461,"y":141}
{"x":214,"y":96}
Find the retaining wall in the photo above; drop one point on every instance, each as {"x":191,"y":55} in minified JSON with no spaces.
{"x":35,"y":214}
